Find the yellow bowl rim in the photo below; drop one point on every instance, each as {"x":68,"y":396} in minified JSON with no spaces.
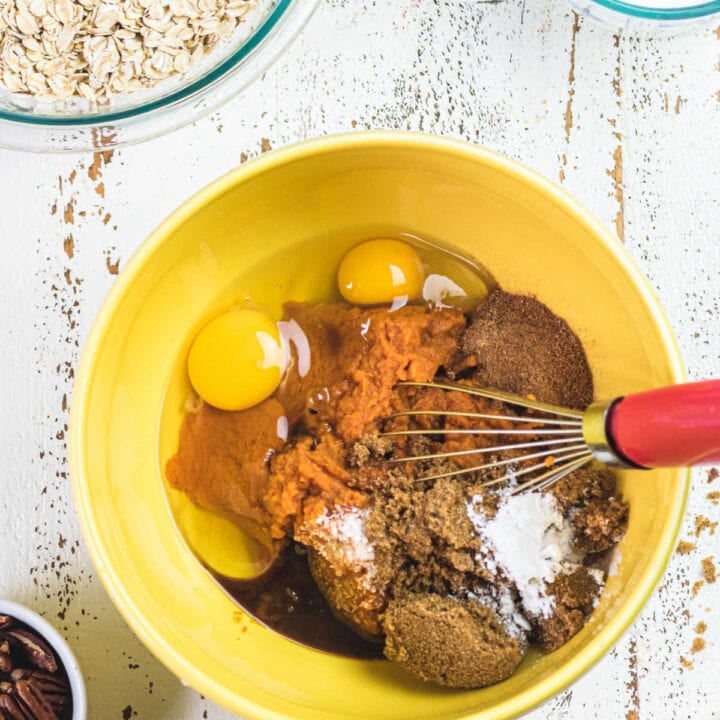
{"x":528,"y":699}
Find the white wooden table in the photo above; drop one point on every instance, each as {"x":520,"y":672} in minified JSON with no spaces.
{"x":629,"y":126}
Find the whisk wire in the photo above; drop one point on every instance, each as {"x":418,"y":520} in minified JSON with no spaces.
{"x":501,"y":463}
{"x":549,"y":478}
{"x":489,"y":416}
{"x":557,"y":442}
{"x":506,"y":398}
{"x":473,"y":431}
{"x":488,"y":450}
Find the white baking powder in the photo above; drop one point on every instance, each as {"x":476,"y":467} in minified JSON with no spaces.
{"x":500,"y":599}
{"x":343,"y":535}
{"x":529,"y":543}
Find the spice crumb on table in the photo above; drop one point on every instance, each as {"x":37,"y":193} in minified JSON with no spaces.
{"x":703,"y":523}
{"x":709,"y":570}
{"x":684,"y":547}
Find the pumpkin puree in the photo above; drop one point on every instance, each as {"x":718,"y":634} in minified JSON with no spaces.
{"x":241,"y":462}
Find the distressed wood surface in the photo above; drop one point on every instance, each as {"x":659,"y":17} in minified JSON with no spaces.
{"x":629,"y":126}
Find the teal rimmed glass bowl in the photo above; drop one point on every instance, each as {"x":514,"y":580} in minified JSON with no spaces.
{"x":29,"y":124}
{"x":649,"y":15}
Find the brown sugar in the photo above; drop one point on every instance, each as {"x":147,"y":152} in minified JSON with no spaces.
{"x":698,"y":645}
{"x":709,"y":570}
{"x":696,"y":587}
{"x":457,"y":643}
{"x":423,"y":538}
{"x":574,"y":595}
{"x":600,"y":524}
{"x":714,"y":497}
{"x":583,"y":486}
{"x":701,"y":627}
{"x":684,"y":547}
{"x":522,"y":347}
{"x":686,"y":663}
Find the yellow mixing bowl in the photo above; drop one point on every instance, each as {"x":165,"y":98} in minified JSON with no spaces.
{"x":331,"y":193}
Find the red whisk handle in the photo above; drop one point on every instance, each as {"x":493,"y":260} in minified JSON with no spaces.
{"x":676,"y":426}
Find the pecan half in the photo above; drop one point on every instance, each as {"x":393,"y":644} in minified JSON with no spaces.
{"x":56,"y":690}
{"x":33,"y":685}
{"x":47,"y":680}
{"x":11,"y":710}
{"x":35,"y":701}
{"x":37,"y":651}
{"x":20,"y":674}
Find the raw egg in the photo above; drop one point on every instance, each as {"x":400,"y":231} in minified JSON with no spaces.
{"x":381,"y":271}
{"x":236,"y":360}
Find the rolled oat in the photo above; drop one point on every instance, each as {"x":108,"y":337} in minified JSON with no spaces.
{"x":57,"y":49}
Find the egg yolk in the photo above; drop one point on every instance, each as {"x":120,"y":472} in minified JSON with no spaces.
{"x":236,"y":360}
{"x":380,"y":271}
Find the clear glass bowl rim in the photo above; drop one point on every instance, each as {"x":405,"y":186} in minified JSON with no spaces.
{"x":177,"y":96}
{"x":641,"y":11}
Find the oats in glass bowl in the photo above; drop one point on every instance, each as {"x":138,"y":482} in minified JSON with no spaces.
{"x":56,"y":49}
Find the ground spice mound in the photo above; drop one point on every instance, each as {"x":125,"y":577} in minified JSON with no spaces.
{"x":522,"y":347}
{"x":685,"y":548}
{"x":460,"y":643}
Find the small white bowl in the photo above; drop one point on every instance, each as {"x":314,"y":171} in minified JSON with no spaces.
{"x":59,"y":645}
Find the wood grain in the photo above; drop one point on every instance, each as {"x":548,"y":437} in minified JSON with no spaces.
{"x":629,"y":126}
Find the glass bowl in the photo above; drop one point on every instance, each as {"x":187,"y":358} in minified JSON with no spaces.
{"x":648,"y":15}
{"x":30,"y":124}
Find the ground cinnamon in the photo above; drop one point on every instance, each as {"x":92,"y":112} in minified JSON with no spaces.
{"x":522,"y":347}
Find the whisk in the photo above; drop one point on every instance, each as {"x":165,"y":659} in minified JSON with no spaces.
{"x":676,"y":426}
